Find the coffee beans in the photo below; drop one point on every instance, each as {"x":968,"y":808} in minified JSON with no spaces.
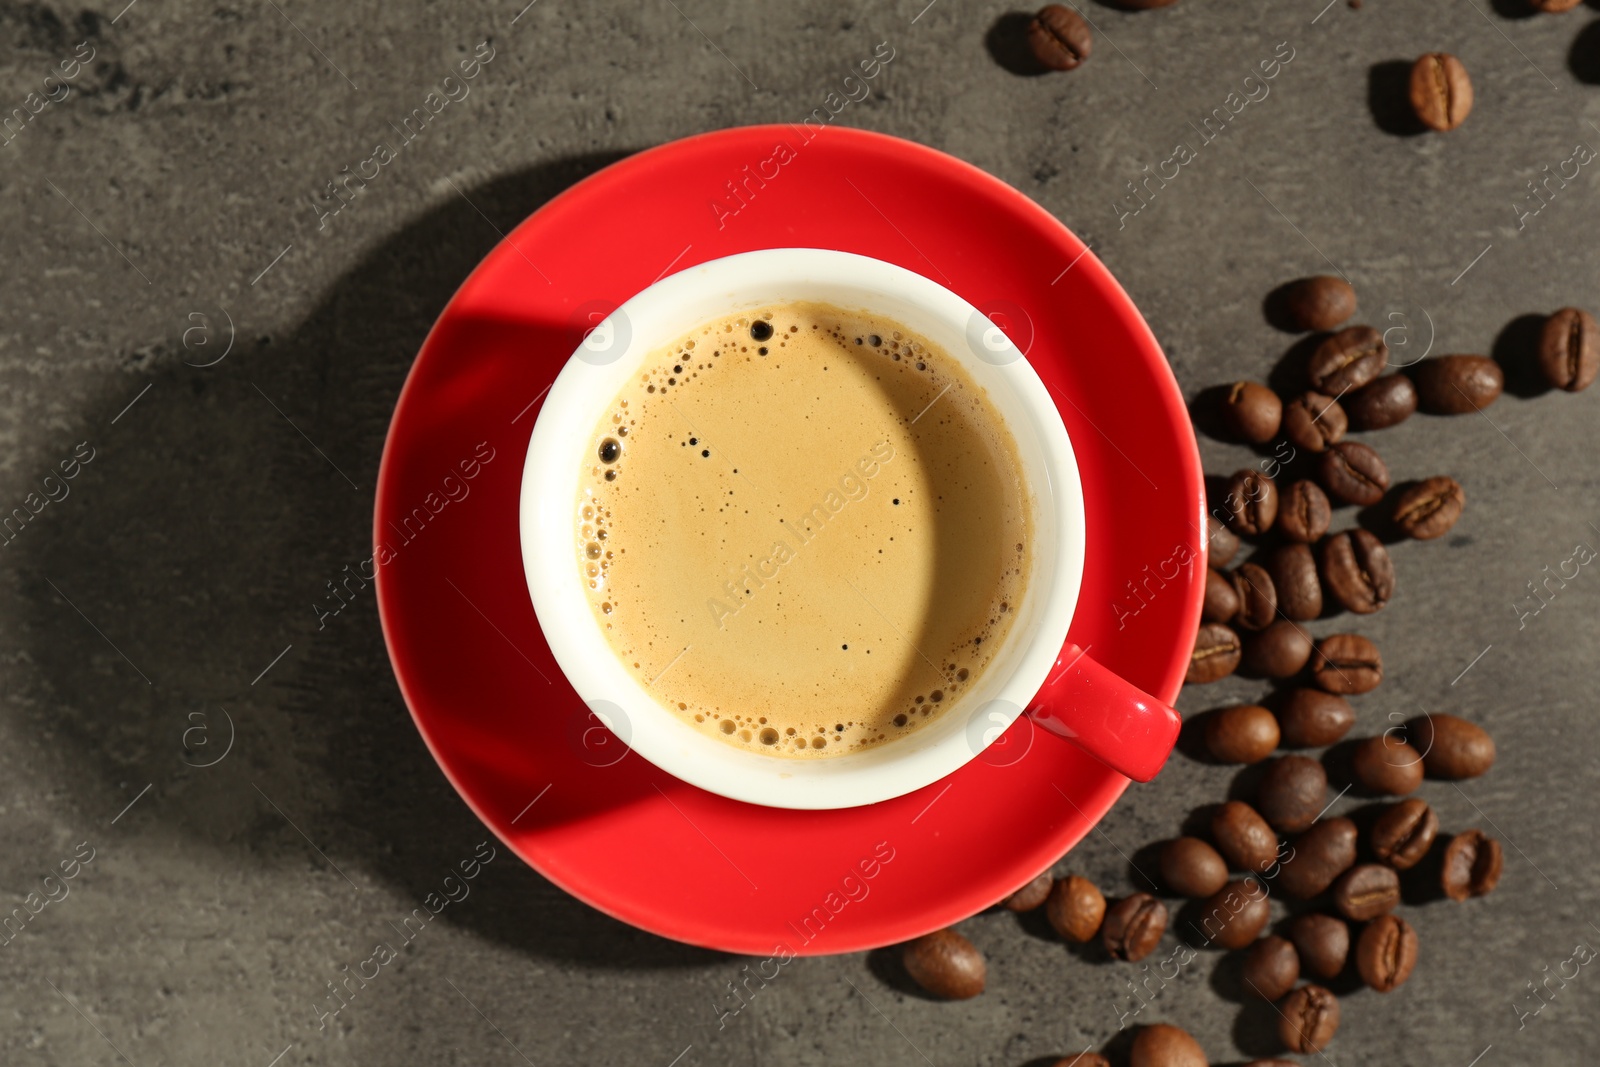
{"x":1244,"y":837}
{"x":1292,"y":793}
{"x":1075,"y":908}
{"x":1386,"y":764}
{"x":1451,"y":747}
{"x":1352,"y":473}
{"x":1319,"y":303}
{"x":1386,"y":953}
{"x":1232,"y":917}
{"x":1472,"y":864}
{"x":1346,"y":664}
{"x":1356,"y":571}
{"x":1323,"y":943}
{"x":1381,"y":403}
{"x":1059,"y":37}
{"x":1251,"y":503}
{"x":1192,"y":868}
{"x":1271,"y":968}
{"x":1429,"y":508}
{"x":1244,"y":733}
{"x":1304,"y":512}
{"x":1311,"y":719}
{"x":1366,"y":892}
{"x":1569,"y":350}
{"x":946,"y":965}
{"x":1551,"y":7}
{"x":1280,"y":651}
{"x":1348,"y":360}
{"x":1258,"y":597}
{"x":1294,"y":579}
{"x":1313,"y":421}
{"x":1216,"y":653}
{"x":1441,"y":93}
{"x":1031,"y":895}
{"x":1221,"y":603}
{"x":1251,"y":412}
{"x":1402,"y":835}
{"x":1223,"y":544}
{"x":1133,"y":927}
{"x":1165,"y":1046}
{"x":1317,"y":857}
{"x":1308,"y":1018}
{"x":1457,"y":385}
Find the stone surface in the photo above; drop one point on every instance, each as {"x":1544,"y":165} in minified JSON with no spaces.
{"x":183,"y":163}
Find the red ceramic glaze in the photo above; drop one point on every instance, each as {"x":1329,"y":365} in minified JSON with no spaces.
{"x":512,"y":736}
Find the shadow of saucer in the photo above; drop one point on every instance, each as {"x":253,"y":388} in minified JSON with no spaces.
{"x":206,"y":540}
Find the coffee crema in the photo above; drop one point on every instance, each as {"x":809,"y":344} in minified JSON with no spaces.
{"x":805,"y":529}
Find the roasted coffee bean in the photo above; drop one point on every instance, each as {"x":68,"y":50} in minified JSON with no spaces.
{"x":946,"y":965}
{"x":1357,"y":571}
{"x":1235,"y":914}
{"x":1313,"y":421}
{"x":1251,"y":504}
{"x":1243,"y":837}
{"x":1472,"y":864}
{"x":1223,"y":543}
{"x":1441,"y":92}
{"x":1222,"y":602}
{"x":1429,"y":508}
{"x":1323,"y":943}
{"x":1311,"y":719}
{"x":1165,"y":1046}
{"x":1258,"y":597}
{"x":1386,"y":764}
{"x":1294,"y":580}
{"x":1059,"y":37}
{"x":1366,"y":892}
{"x":1386,"y":953}
{"x":1292,"y":793}
{"x":1133,"y":927}
{"x":1031,"y":895}
{"x":1271,"y":968}
{"x":1251,"y":412}
{"x":1457,"y":385}
{"x":1348,"y":360}
{"x":1304,"y":512}
{"x":1307,"y":1019}
{"x":1282,"y":650}
{"x":1346,"y":664}
{"x":1402,"y":835}
{"x":1192,"y":868}
{"x":1352,"y":473}
{"x":1075,"y":908}
{"x":1381,"y":403}
{"x":1216,"y":653}
{"x":1569,"y":349}
{"x":1451,"y":747}
{"x":1083,"y":1059}
{"x":1244,"y":733}
{"x":1317,"y":857}
{"x":1319,"y":303}
{"x":1551,"y":7}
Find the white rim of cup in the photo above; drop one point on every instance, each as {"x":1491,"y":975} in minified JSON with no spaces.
{"x":619,"y":706}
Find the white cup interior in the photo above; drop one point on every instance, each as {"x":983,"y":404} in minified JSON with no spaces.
{"x":558,"y":452}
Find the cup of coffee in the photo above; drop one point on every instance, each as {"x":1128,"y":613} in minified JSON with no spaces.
{"x":805,"y":529}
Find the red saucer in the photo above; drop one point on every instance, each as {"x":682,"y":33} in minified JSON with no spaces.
{"x":512,"y":736}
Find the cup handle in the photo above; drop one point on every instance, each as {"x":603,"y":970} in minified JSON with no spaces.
{"x":1114,"y":721}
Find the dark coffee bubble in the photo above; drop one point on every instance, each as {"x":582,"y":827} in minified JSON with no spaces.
{"x":760,"y":330}
{"x":610,"y":450}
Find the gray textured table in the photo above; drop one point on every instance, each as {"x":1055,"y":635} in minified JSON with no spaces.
{"x":169,"y":185}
